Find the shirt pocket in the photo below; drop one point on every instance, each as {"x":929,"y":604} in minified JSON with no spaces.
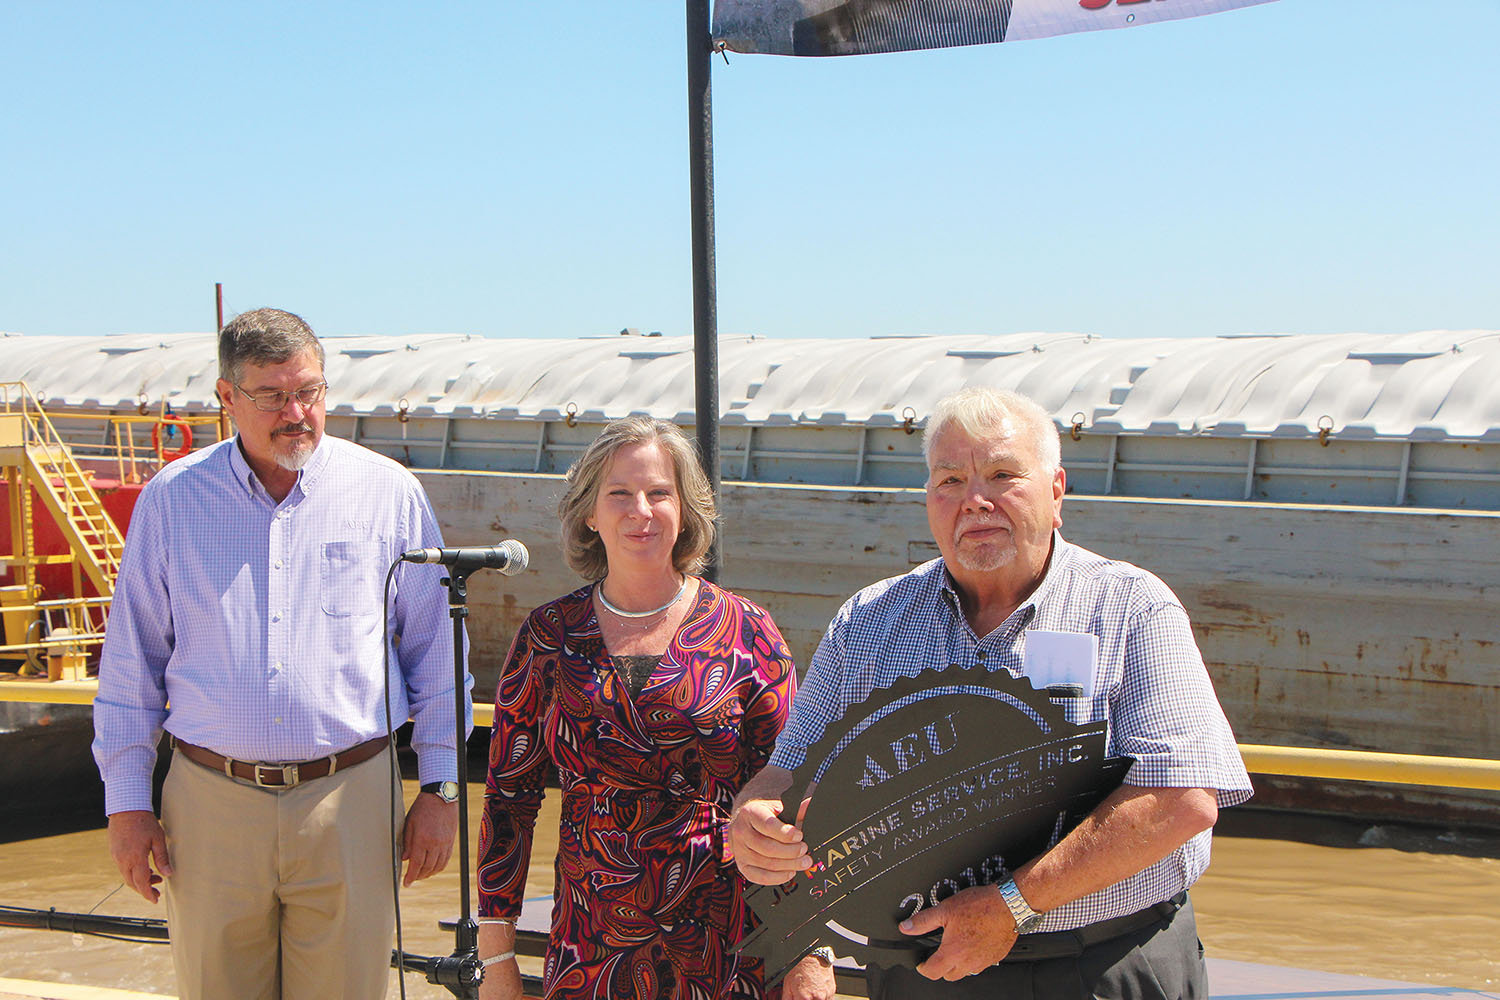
{"x":350,"y":577}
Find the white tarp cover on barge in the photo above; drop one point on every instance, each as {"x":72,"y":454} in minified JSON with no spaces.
{"x":1384,"y":420}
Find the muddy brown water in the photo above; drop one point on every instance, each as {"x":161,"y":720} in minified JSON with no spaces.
{"x":1420,"y":906}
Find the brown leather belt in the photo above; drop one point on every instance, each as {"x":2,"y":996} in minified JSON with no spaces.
{"x":280,"y":775}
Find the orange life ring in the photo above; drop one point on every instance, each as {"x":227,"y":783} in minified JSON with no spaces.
{"x":171,"y":454}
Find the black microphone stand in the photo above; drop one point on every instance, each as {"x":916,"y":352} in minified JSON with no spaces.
{"x":461,"y":972}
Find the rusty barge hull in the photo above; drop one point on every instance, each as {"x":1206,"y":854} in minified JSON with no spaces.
{"x":1344,"y":627}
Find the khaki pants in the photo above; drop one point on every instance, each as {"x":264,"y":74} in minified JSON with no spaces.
{"x":280,"y":893}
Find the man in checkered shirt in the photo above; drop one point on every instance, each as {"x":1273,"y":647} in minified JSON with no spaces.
{"x":1104,"y":912}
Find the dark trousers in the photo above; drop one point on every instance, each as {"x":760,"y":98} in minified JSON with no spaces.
{"x":1160,"y":962}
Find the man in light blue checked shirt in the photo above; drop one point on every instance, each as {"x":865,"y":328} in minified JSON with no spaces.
{"x":1104,"y":912}
{"x":248,"y":624}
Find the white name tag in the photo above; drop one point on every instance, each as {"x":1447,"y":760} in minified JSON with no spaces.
{"x":1061,"y":658}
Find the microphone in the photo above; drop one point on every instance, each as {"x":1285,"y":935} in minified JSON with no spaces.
{"x":509,"y":557}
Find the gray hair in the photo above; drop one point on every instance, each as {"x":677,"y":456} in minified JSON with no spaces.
{"x":582,"y":547}
{"x":264,"y":337}
{"x":979,"y":410}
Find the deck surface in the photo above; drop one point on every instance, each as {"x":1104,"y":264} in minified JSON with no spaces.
{"x":1229,"y":981}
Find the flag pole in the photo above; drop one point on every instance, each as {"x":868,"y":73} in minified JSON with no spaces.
{"x":705,"y":291}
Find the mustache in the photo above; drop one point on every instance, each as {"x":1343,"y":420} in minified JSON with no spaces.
{"x":292,"y":429}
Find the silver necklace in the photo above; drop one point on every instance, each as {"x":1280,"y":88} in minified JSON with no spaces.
{"x":599,"y":593}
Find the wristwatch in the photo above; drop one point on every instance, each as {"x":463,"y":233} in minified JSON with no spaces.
{"x":1026,"y":918}
{"x":445,"y":790}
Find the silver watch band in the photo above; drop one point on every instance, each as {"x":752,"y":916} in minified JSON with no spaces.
{"x":1026,"y":918}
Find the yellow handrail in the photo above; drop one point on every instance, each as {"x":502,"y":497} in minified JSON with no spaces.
{"x":50,"y":692}
{"x":1365,"y":765}
{"x":124,"y":447}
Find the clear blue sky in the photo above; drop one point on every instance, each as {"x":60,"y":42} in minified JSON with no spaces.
{"x":520,"y":170}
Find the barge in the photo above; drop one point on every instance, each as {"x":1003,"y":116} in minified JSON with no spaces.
{"x":1326,"y":506}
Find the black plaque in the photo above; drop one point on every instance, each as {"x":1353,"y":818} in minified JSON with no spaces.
{"x":937,"y":783}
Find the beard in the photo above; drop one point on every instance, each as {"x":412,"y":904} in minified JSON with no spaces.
{"x":293,"y":453}
{"x":983,"y":557}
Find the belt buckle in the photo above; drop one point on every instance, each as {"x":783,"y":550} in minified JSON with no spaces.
{"x":288,"y":774}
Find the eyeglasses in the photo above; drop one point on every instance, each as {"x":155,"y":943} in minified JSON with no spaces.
{"x":273,"y":400}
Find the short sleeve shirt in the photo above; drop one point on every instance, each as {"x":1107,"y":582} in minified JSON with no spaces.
{"x":1149,"y":686}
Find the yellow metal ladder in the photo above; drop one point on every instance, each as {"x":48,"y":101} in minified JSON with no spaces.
{"x":29,"y":442}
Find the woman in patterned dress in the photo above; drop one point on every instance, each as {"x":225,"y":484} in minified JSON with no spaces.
{"x":656,"y":694}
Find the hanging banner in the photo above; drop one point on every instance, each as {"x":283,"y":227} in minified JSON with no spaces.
{"x":857,"y":27}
